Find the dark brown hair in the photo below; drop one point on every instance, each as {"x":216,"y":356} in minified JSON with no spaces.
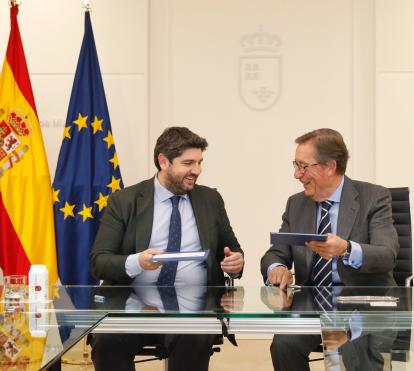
{"x":174,"y":141}
{"x":329,"y":145}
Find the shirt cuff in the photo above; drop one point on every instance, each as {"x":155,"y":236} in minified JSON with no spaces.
{"x":355,"y":257}
{"x":234,"y":275}
{"x":355,"y":325}
{"x":133,"y":303}
{"x":271,"y":267}
{"x":132,"y":267}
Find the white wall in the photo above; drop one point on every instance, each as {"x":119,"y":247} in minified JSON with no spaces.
{"x":345,"y":64}
{"x":394,"y":92}
{"x":326,"y":71}
{"x":52,"y":35}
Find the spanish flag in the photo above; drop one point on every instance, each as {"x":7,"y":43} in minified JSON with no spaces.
{"x":27,"y":233}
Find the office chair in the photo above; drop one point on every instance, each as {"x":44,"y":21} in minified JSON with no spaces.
{"x":403,"y":273}
{"x":403,"y":269}
{"x":402,"y":222}
{"x":159,"y":352}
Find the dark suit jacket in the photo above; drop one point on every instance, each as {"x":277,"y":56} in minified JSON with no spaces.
{"x":127,"y":224}
{"x":364,"y":217}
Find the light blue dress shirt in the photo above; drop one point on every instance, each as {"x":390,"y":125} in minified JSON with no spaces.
{"x":188,"y":272}
{"x":356,"y":256}
{"x":190,"y":299}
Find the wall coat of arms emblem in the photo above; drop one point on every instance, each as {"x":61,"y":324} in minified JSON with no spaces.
{"x":260,"y":70}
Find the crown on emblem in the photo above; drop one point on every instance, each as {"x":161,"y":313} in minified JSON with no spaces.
{"x":19,"y":123}
{"x":260,"y":41}
{"x":11,"y":147}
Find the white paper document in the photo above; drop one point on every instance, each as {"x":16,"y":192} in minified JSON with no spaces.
{"x":366,"y":299}
{"x":180,"y":256}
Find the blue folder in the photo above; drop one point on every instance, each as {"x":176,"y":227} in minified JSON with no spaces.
{"x":298,"y":239}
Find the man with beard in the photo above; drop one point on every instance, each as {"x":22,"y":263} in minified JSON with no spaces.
{"x":362,"y":245}
{"x":167,"y":212}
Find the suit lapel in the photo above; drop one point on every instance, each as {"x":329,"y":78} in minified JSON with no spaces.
{"x":200,"y":209}
{"x":145,"y":215}
{"x":309,"y":221}
{"x":200,"y":216}
{"x":309,"y":227}
{"x":348,"y":209}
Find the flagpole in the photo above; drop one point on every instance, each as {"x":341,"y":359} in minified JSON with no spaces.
{"x":86,"y":355}
{"x":89,"y":112}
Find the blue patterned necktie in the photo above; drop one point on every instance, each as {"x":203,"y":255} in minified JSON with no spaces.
{"x":322,"y":268}
{"x":169,"y":270}
{"x":169,"y":298}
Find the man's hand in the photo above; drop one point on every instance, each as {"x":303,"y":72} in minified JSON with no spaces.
{"x":145,"y":259}
{"x":232,"y":300}
{"x":333,"y":246}
{"x":277,"y":299}
{"x":233,"y":262}
{"x":333,"y":339}
{"x":280,"y":276}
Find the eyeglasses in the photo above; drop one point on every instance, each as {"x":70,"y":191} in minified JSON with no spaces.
{"x":302,"y":168}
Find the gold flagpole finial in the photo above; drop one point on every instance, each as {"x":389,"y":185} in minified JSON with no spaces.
{"x":15,"y":3}
{"x":86,"y":5}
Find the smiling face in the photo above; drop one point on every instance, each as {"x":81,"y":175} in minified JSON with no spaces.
{"x":319,"y":181}
{"x":180,"y":175}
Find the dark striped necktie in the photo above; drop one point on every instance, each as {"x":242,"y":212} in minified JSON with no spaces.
{"x":322,"y":268}
{"x":169,"y":269}
{"x":323,"y":299}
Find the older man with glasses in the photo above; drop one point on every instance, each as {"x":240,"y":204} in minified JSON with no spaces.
{"x":361,"y":247}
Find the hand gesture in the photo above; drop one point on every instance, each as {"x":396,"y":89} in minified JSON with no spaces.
{"x":280,"y":276}
{"x":233,"y":262}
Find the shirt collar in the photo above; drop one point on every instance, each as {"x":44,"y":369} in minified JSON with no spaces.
{"x":161,"y":193}
{"x":336,"y":196}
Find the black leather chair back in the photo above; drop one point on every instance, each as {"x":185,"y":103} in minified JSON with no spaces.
{"x":402,"y":222}
{"x":403,"y":269}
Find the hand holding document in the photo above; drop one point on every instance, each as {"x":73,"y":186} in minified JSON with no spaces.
{"x":145,"y":259}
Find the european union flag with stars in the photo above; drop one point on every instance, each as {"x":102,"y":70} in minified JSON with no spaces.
{"x":87,"y":171}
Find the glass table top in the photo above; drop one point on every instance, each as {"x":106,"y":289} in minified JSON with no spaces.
{"x":238,"y":301}
{"x":380,"y":317}
{"x":35,"y":335}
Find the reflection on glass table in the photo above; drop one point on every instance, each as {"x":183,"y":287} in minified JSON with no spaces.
{"x":249,"y":300}
{"x":369,"y":332}
{"x":370,"y":314}
{"x":33,"y":335}
{"x":158,"y":300}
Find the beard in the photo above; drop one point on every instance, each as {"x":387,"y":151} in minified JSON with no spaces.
{"x":176,"y":183}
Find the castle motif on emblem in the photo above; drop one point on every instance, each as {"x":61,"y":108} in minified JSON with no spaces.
{"x":11,"y":133}
{"x":260,"y":70}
